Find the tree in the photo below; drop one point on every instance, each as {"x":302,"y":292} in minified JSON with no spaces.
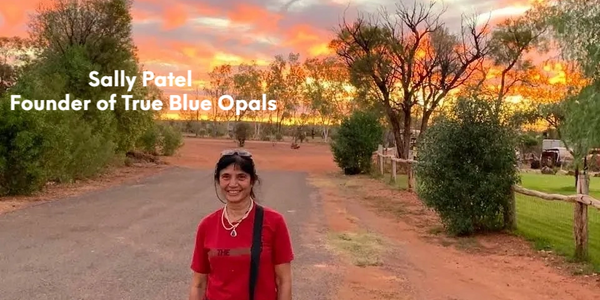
{"x":102,"y":27}
{"x":580,"y":122}
{"x":15,"y":53}
{"x":576,"y":30}
{"x":510,"y":41}
{"x":327,"y":90}
{"x":284,"y":80}
{"x":411,"y":61}
{"x":95,"y":35}
{"x":247,"y":84}
{"x":574,"y":26}
{"x":220,"y":83}
{"x":154,"y":92}
{"x":559,"y":81}
{"x":357,"y":138}
{"x":295,"y":78}
{"x":191,"y":114}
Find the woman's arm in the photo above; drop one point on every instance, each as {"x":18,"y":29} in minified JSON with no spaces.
{"x":283,"y":254}
{"x":283,"y":274}
{"x":198,"y":287}
{"x":200,"y":266}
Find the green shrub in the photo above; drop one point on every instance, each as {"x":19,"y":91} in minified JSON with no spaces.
{"x":161,"y":139}
{"x":242,"y":132}
{"x":171,"y":140}
{"x":74,"y":142}
{"x":41,"y":146}
{"x":356,"y":139}
{"x":22,"y":151}
{"x":216,"y":129}
{"x":264,"y":136}
{"x":299,"y":133}
{"x":528,"y":142}
{"x":151,"y":138}
{"x":467,"y":165}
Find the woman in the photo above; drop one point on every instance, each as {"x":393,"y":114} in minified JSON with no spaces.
{"x":221,"y":261}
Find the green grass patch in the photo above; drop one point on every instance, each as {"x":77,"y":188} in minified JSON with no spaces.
{"x":549,"y":224}
{"x":400,"y":183}
{"x":384,"y":206}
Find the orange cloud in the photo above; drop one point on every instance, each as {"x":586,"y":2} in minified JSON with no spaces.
{"x":301,"y":34}
{"x":175,"y":53}
{"x":320,"y":49}
{"x":259,"y":17}
{"x":175,"y":16}
{"x":308,"y":40}
{"x":177,"y":35}
{"x":14,"y":15}
{"x":139,"y":15}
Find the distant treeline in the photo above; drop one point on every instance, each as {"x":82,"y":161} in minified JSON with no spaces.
{"x":257,"y":130}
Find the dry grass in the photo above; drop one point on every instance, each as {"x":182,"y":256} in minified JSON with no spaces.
{"x":364,"y":249}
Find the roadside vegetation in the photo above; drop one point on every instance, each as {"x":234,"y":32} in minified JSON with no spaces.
{"x":37,"y":147}
{"x":468,"y":107}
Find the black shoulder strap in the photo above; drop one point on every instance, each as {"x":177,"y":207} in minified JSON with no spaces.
{"x":256,"y":248}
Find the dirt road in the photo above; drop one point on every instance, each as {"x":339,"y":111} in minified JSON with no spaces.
{"x":408,"y":257}
{"x":355,"y":239}
{"x":135,"y":241}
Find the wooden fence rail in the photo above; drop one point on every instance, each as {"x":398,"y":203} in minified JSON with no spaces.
{"x":581,"y":200}
{"x":384,"y":154}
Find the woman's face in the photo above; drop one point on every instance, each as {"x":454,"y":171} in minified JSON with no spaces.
{"x":235,"y":184}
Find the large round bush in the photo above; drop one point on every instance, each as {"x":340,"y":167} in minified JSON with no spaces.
{"x":467,"y":165}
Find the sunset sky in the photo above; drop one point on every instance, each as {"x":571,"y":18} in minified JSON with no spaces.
{"x":177,"y":35}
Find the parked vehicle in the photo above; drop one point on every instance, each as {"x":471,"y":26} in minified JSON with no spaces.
{"x":555,"y":157}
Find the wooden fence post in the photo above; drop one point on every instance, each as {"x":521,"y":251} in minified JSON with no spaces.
{"x":580,"y":220}
{"x":411,"y":177}
{"x":394,"y":169}
{"x":510,"y":214}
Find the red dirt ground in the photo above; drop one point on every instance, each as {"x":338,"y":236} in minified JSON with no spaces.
{"x":203,"y":153}
{"x":419,"y":262}
{"x":431,"y":266}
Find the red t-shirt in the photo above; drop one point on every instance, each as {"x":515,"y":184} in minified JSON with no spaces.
{"x":226,"y":259}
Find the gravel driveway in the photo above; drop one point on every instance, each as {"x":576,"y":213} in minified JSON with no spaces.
{"x":135,"y":241}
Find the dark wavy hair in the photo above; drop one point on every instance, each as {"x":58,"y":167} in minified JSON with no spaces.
{"x":241,"y":159}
